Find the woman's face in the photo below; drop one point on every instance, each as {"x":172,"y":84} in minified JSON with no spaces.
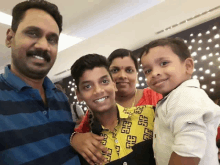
{"x":124,"y":74}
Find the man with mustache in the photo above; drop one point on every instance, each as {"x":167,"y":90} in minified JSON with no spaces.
{"x":35,"y":117}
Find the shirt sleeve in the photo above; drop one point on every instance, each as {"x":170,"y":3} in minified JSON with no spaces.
{"x":187,"y":117}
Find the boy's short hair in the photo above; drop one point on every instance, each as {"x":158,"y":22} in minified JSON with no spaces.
{"x":177,"y":46}
{"x":88,"y":62}
{"x":122,"y":53}
{"x":19,"y":10}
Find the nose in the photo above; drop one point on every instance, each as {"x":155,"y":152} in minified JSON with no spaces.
{"x":42,"y":44}
{"x":122,"y":75}
{"x":98,"y":90}
{"x":155,"y":72}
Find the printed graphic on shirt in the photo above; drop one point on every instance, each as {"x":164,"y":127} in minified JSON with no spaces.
{"x":117,"y":149}
{"x":148,"y":134}
{"x":139,"y":110}
{"x":104,"y":141}
{"x":126,"y":127}
{"x":108,"y":155}
{"x":131,"y":141}
{"x":143,"y":120}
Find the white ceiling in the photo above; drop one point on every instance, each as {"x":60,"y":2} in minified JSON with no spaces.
{"x":105,"y":25}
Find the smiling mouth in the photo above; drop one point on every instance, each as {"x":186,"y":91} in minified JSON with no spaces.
{"x":38,"y":57}
{"x":101,"y":99}
{"x":159,"y":82}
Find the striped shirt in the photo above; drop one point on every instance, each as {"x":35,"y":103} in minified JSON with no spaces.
{"x":30,"y":132}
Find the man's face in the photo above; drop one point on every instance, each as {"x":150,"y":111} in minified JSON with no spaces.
{"x":34,"y":45}
{"x":97,"y":89}
{"x":164,"y":70}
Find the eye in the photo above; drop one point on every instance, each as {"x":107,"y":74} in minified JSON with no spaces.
{"x":53,"y":40}
{"x":114,"y":70}
{"x":87,"y":87}
{"x":147,"y":71}
{"x":32,"y":34}
{"x":129,"y":70}
{"x":164,"y":63}
{"x":105,"y":81}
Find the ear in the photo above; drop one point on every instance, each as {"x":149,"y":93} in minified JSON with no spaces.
{"x":79,"y":97}
{"x":189,"y":66}
{"x":9,"y":37}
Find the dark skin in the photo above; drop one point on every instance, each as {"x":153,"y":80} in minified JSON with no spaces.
{"x":175,"y":159}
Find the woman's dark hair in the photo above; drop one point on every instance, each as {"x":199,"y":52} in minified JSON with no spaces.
{"x":122,"y":53}
{"x":19,"y":10}
{"x":177,"y":45}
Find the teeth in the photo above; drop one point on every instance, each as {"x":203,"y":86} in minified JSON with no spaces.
{"x":101,"y":99}
{"x":38,"y":57}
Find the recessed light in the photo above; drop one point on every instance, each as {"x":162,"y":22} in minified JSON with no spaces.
{"x":216,"y":36}
{"x":73,"y":83}
{"x":217,"y":45}
{"x":210,"y":54}
{"x":191,"y":34}
{"x":140,"y":70}
{"x":72,"y":89}
{"x":196,"y":61}
{"x":199,"y":48}
{"x":142,"y":84}
{"x":213,"y":82}
{"x":207,"y":48}
{"x":185,"y":41}
{"x":194,"y":54}
{"x":217,"y":54}
{"x":190,"y":47}
{"x":212,"y":90}
{"x":200,"y":69}
{"x":145,"y":79}
{"x":140,"y":78}
{"x":213,"y":74}
{"x":200,"y":41}
{"x":204,"y":57}
{"x":193,"y":40}
{"x":219,"y":59}
{"x":204,"y":86}
{"x":75,"y":97}
{"x":141,"y":65}
{"x":138,"y":59}
{"x":201,"y":78}
{"x":208,"y":32}
{"x":137,"y":85}
{"x":68,"y":86}
{"x":70,"y":82}
{"x":207,"y":71}
{"x":214,"y":27}
{"x":85,"y":108}
{"x":200,"y":34}
{"x":195,"y":77}
{"x":194,"y":70}
{"x":71,"y":94}
{"x":211,"y":63}
{"x":210,"y":40}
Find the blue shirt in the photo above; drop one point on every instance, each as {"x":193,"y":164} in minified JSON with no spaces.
{"x":30,"y":132}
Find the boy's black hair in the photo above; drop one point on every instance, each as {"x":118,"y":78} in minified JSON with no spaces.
{"x":122,"y":53}
{"x":177,"y":46}
{"x":88,"y":62}
{"x":19,"y":10}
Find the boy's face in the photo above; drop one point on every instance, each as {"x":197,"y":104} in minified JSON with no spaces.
{"x":164,"y":70}
{"x":97,"y":89}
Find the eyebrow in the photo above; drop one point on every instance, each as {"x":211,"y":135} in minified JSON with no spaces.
{"x":156,"y":61}
{"x":105,"y":76}
{"x":40,"y":30}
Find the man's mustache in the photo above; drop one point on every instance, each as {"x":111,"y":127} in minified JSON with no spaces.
{"x":41,"y":53}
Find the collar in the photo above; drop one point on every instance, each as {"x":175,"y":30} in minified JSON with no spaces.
{"x":123,"y":113}
{"x":188,"y":83}
{"x":18,"y":84}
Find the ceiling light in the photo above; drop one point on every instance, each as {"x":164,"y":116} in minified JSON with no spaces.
{"x":75,"y":97}
{"x":217,"y":45}
{"x":141,"y":65}
{"x":200,"y":41}
{"x":211,"y":63}
{"x":196,"y":61}
{"x":213,"y":82}
{"x":66,"y":41}
{"x":217,"y":54}
{"x":210,"y":54}
{"x":199,"y":48}
{"x":204,"y":86}
{"x":142,"y":84}
{"x":191,"y":34}
{"x":219,"y":59}
{"x":207,"y":71}
{"x":193,"y":40}
{"x":5,"y":18}
{"x":73,"y":83}
{"x":190,"y":47}
{"x":68,"y":86}
{"x":214,"y":27}
{"x":200,"y":69}
{"x":208,"y":32}
{"x":71,"y":94}
{"x":145,"y":79}
{"x":201,"y":78}
{"x":212,"y":90}
{"x":207,"y":48}
{"x":138,"y":59}
{"x":194,"y":54}
{"x":140,"y":78}
{"x":194,"y":70}
{"x":85,"y":108}
{"x":185,"y":41}
{"x":204,"y":57}
{"x":140,"y":70}
{"x":70,"y":82}
{"x":210,"y":40}
{"x":216,"y":36}
{"x":72,"y":89}
{"x":219,"y":66}
{"x":200,"y":34}
{"x":213,"y":74}
{"x":137,"y":85}
{"x":195,"y":77}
